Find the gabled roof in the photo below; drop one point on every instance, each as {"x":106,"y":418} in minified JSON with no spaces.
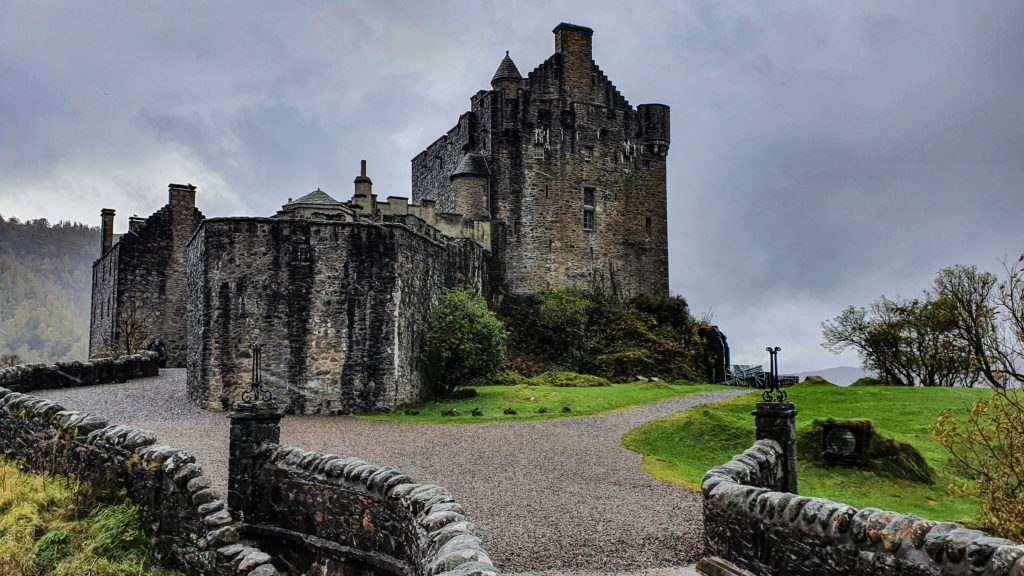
{"x":317,"y":196}
{"x":506,"y":71}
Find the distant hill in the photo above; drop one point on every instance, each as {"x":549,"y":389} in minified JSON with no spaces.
{"x":45,"y":288}
{"x":840,"y":375}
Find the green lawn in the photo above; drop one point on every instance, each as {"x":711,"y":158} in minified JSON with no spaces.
{"x":680,"y":448}
{"x":527,"y":400}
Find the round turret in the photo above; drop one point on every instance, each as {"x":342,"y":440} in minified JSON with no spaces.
{"x":470,"y":186}
{"x":507,"y":76}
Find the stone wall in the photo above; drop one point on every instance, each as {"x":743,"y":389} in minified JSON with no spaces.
{"x":337,"y":307}
{"x":28,"y":377}
{"x":768,"y":532}
{"x":327,"y":515}
{"x":547,"y":139}
{"x":192,"y":530}
{"x":145,"y":273}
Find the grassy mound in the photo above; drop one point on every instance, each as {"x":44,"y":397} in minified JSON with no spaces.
{"x":887,"y":457}
{"x":680,"y":448}
{"x":56,"y":526}
{"x":867,"y":381}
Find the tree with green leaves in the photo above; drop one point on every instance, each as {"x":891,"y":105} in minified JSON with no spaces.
{"x":905,"y":342}
{"x":462,"y":340}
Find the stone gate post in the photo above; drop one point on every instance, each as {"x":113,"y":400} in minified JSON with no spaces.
{"x":252,"y":425}
{"x":777,"y":421}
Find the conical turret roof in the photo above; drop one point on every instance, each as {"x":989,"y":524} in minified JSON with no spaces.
{"x":506,"y":71}
{"x":472,"y":164}
{"x":317,"y":196}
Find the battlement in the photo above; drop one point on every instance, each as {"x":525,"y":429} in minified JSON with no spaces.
{"x":453,"y":225}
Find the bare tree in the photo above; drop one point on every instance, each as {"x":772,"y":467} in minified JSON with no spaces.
{"x":8,"y":360}
{"x":133,"y":327}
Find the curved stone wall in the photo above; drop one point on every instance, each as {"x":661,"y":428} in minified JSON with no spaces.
{"x":780,"y":533}
{"x":27,"y":377}
{"x":193,"y":530}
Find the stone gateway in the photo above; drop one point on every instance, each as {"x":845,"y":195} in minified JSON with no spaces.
{"x":549,"y":180}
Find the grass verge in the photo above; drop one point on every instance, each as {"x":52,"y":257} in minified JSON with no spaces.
{"x":680,"y":448}
{"x":540,"y":402}
{"x":57,"y":526}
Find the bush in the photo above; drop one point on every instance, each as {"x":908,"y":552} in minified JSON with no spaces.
{"x":52,"y":547}
{"x":463,"y":394}
{"x":462,"y":340}
{"x":555,"y":328}
{"x":500,"y":379}
{"x":569,"y":380}
{"x":987,"y":445}
{"x":625,"y":365}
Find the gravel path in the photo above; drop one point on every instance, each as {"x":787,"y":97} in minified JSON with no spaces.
{"x":559,"y":495}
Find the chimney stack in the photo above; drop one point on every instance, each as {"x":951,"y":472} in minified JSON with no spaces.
{"x":575,"y":44}
{"x":106,"y":230}
{"x":134,"y":223}
{"x":183,"y":195}
{"x":364,"y":197}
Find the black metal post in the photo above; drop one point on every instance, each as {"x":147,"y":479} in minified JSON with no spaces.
{"x":775,"y":419}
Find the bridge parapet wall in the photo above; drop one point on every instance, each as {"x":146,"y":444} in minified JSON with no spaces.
{"x":771,"y":533}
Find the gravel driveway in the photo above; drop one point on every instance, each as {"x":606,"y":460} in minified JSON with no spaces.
{"x":559,"y":495}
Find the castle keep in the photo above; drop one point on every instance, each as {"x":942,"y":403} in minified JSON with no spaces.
{"x":548,"y":180}
{"x":572,"y":176}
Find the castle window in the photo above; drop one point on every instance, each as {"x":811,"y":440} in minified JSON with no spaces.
{"x":440,"y":163}
{"x":588,"y":153}
{"x":589,"y":203}
{"x":545,"y":190}
{"x":538,"y":151}
{"x":603,"y":135}
{"x":551,"y":245}
{"x":648,"y":225}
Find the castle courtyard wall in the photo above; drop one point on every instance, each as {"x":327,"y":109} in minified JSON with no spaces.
{"x":337,"y":307}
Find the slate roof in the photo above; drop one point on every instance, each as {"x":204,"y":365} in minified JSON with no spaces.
{"x":472,"y":164}
{"x":317,"y":196}
{"x":506,"y":70}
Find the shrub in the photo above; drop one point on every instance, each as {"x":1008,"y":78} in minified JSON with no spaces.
{"x":555,"y":328}
{"x":462,"y":340}
{"x":988,"y":446}
{"x":52,"y":547}
{"x":625,"y":365}
{"x":500,"y":379}
{"x":463,"y":393}
{"x":569,"y":380}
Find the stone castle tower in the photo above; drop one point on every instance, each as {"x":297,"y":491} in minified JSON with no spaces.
{"x":569,"y":173}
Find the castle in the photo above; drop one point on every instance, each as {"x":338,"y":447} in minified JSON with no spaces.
{"x":547,"y":180}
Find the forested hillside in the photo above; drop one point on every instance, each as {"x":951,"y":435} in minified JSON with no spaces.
{"x":45,"y":287}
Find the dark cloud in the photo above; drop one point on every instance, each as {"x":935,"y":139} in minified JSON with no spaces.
{"x":822,"y":154}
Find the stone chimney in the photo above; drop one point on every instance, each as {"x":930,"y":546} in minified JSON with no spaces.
{"x":135,"y":223}
{"x":181,"y":195}
{"x":575,"y":44}
{"x":364,"y":197}
{"x":106,"y":230}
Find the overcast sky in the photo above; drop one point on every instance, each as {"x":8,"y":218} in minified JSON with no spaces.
{"x":822,"y":154}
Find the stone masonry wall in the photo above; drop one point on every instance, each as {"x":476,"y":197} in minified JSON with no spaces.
{"x":564,"y":129}
{"x":146,"y":271}
{"x":192,"y":530}
{"x":28,"y":377}
{"x":773,"y":533}
{"x":329,"y":510}
{"x":336,"y":306}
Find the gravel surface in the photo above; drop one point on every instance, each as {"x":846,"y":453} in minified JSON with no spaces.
{"x":548,"y":497}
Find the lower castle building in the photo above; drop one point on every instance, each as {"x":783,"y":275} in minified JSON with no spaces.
{"x":548,"y":180}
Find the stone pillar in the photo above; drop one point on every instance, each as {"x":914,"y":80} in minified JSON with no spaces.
{"x":777,"y":421}
{"x":252,"y":425}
